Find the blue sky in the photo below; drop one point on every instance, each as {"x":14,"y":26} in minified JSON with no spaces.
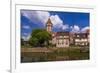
{"x":62,"y":21}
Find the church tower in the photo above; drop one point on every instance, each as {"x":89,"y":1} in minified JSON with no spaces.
{"x":49,"y":25}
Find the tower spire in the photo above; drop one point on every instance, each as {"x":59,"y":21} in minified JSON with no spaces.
{"x":49,"y":21}
{"x":49,"y":25}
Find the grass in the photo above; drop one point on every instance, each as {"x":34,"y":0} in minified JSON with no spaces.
{"x":71,"y":53}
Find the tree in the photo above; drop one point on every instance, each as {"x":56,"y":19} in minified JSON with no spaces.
{"x":22,"y":41}
{"x":40,"y":37}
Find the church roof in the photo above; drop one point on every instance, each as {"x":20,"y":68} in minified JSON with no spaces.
{"x":49,"y":21}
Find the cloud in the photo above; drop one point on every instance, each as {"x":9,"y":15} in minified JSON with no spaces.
{"x":75,"y":29}
{"x":64,"y":27}
{"x":41,"y":17}
{"x":84,"y":29}
{"x":58,"y":22}
{"x":26,"y":38}
{"x":25,"y":34}
{"x":26,"y":27}
{"x":37,"y":17}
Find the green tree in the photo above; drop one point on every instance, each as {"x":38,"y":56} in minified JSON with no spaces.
{"x":22,"y":41}
{"x":40,"y":37}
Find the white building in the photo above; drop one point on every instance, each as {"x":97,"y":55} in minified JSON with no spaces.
{"x":62,"y":39}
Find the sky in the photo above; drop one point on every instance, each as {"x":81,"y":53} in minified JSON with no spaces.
{"x":62,"y":21}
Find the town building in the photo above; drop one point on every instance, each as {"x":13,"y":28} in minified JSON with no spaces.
{"x":81,"y":39}
{"x":65,"y":39}
{"x":62,"y":39}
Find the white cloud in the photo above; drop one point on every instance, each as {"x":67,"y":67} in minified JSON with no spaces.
{"x":25,"y":34}
{"x":26,"y":27}
{"x":64,"y":27}
{"x":84,"y":29}
{"x":58,"y":22}
{"x":38,"y":17}
{"x":75,"y":29}
{"x":26,"y":38}
{"x":41,"y":17}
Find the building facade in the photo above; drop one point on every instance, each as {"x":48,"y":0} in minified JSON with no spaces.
{"x":65,"y":39}
{"x":81,"y":39}
{"x":62,"y":39}
{"x":59,"y":39}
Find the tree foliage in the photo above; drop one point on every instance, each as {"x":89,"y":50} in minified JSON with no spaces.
{"x":40,"y":37}
{"x":22,"y":41}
